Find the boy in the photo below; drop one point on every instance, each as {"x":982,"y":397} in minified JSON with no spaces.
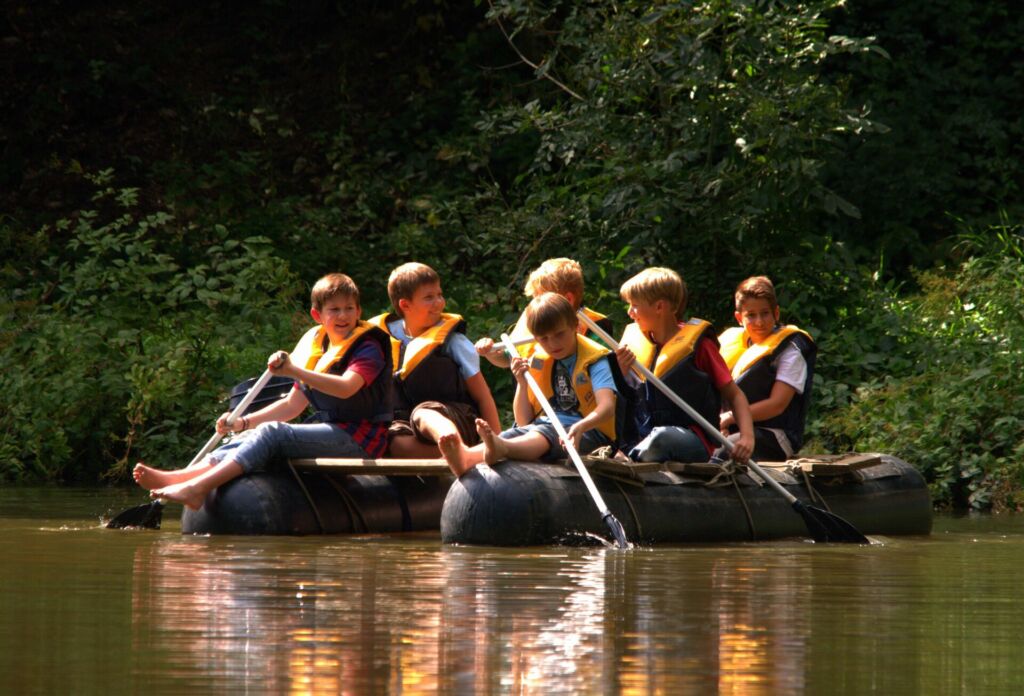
{"x":773,"y":365}
{"x":574,"y":373}
{"x":562,"y":276}
{"x":438,"y":386}
{"x":342,"y":368}
{"x":685,"y":356}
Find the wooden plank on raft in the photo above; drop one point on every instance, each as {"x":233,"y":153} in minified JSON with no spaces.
{"x":384,"y":467}
{"x":838,"y":464}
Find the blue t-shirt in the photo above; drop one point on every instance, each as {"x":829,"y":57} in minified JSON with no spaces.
{"x":564,"y":400}
{"x":459,"y":348}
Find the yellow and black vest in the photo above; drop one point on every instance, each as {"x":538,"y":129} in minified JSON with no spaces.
{"x":587,"y":353}
{"x":424,"y":369}
{"x":315,"y":352}
{"x":674,"y":364}
{"x":527,"y":349}
{"x":753,"y":370}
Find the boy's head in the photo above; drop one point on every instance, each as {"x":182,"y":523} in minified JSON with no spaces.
{"x":331,"y":286}
{"x":406,"y":279}
{"x":652,"y":285}
{"x":552,"y":321}
{"x":757,"y":309}
{"x":563,"y":276}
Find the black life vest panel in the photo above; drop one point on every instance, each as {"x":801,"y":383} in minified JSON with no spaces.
{"x":314,"y":351}
{"x":674,"y":365}
{"x":424,"y":367}
{"x":753,"y":370}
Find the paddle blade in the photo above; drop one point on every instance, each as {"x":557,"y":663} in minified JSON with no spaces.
{"x":827,"y":527}
{"x":618,"y":533}
{"x":146,"y":516}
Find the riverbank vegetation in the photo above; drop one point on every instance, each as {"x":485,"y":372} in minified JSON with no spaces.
{"x":175,"y":178}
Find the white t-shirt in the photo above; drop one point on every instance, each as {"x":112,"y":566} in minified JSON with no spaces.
{"x":791,"y":368}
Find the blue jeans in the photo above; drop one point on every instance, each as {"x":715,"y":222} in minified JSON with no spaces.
{"x":591,"y":440}
{"x":670,"y":443}
{"x":273,"y":443}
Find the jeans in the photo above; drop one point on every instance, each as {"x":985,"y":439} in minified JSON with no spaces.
{"x":273,"y":443}
{"x":591,"y":440}
{"x":670,"y":443}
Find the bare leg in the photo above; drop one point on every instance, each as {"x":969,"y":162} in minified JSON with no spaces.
{"x":150,"y":478}
{"x":410,"y":447}
{"x":460,"y":458}
{"x":192,"y":493}
{"x":495,"y":449}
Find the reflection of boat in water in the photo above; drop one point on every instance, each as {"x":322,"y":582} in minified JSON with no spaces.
{"x":524,"y":504}
{"x":320,"y":500}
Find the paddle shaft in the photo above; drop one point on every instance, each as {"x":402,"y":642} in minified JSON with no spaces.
{"x":573,"y":454}
{"x":233,"y":416}
{"x":674,"y":398}
{"x":499,"y":348}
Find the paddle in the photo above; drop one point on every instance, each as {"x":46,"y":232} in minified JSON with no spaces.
{"x":822,"y":524}
{"x":148,"y":515}
{"x":613,"y":524}
{"x":498,"y":347}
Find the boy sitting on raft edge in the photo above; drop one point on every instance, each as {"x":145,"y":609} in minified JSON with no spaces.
{"x":774,"y":366}
{"x":684,"y":355}
{"x":438,"y":386}
{"x":578,"y":377}
{"x":562,"y":276}
{"x":342,"y":368}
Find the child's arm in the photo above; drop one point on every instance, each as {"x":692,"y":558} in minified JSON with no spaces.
{"x":485,"y":347}
{"x":340,"y":386}
{"x":764,"y":409}
{"x":744,"y":446}
{"x":605,"y":399}
{"x":481,"y":394}
{"x":283,"y":409}
{"x":522,"y":409}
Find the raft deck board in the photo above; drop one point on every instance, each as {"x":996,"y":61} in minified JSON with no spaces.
{"x":387,"y":467}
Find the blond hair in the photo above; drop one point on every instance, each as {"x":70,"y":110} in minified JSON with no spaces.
{"x":548,"y":313}
{"x":756,"y":288}
{"x":559,"y":275}
{"x":404,"y":280}
{"x":653,"y":284}
{"x":330,"y":286}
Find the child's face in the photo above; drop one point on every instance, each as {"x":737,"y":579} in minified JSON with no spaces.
{"x":758,"y":318}
{"x":645,"y":314}
{"x":560,"y":343}
{"x":338,"y":316}
{"x":425,"y":306}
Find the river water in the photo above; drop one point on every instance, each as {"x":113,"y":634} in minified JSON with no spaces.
{"x":87,"y":610}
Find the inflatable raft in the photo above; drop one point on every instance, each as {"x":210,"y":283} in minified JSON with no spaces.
{"x":528,"y":504}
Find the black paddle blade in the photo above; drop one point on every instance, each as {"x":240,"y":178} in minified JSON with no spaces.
{"x":827,"y":527}
{"x":146,"y":516}
{"x":618,"y":533}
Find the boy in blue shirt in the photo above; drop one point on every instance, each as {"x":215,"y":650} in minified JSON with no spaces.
{"x":577,"y":377}
{"x":438,"y":386}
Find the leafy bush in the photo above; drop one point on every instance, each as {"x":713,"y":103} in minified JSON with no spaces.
{"x":946,"y":394}
{"x":125,"y":337}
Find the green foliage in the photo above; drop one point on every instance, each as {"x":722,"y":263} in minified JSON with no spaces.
{"x":948,"y":395}
{"x":126,"y":336}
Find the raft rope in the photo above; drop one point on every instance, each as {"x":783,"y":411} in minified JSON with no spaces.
{"x":351,"y":507}
{"x":813,"y":492}
{"x":729,"y":471}
{"x":309,"y":498}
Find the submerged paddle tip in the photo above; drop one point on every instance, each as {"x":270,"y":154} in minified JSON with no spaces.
{"x":618,"y":533}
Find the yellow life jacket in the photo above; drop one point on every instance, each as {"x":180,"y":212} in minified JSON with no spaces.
{"x":309,"y":351}
{"x":678,"y":348}
{"x":587,"y":353}
{"x":741,"y":353}
{"x":420,"y":347}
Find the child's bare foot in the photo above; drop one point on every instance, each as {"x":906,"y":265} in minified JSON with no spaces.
{"x":150,"y":478}
{"x":185,"y":493}
{"x":495,"y":448}
{"x":455,"y":452}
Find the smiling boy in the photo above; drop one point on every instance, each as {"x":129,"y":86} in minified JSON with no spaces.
{"x":684,"y":355}
{"x":439,"y":388}
{"x":576,"y":376}
{"x":773,"y":365}
{"x":342,"y":369}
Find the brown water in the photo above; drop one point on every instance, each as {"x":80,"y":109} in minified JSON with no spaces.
{"x":88,"y":610}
